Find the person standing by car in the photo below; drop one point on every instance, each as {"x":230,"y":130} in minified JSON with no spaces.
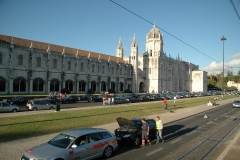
{"x":145,"y":132}
{"x":174,"y":100}
{"x":159,"y":128}
{"x":165,"y":103}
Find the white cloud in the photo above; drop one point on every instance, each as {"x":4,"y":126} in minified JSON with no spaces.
{"x":217,"y":68}
{"x":236,"y":56}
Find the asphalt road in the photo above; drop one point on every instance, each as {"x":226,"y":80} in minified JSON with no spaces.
{"x":179,"y":136}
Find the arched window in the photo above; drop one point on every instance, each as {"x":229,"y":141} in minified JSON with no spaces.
{"x":20,"y":60}
{"x":82,"y":67}
{"x":39,"y":62}
{"x":104,"y":86}
{"x":69,"y":65}
{"x":93,"y":86}
{"x":120,"y":71}
{"x":121,"y":86}
{"x":38,"y":85}
{"x":69,"y":85}
{"x":19,"y":85}
{"x":54,"y":85}
{"x":82,"y":86}
{"x":55,"y":64}
{"x":112,"y":70}
{"x":2,"y":84}
{"x":1,"y":58}
{"x":93,"y":68}
{"x":103,"y":69}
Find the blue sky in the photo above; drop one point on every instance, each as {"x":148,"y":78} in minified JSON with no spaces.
{"x":96,"y":25}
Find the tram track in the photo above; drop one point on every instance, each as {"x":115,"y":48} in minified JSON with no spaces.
{"x":206,"y":146}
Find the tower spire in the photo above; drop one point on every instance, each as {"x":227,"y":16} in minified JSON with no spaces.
{"x":120,"y":43}
{"x":134,"y":43}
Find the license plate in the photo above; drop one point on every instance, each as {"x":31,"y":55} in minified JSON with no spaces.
{"x":118,"y":138}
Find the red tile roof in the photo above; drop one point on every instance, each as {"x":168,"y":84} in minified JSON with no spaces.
{"x":57,"y":48}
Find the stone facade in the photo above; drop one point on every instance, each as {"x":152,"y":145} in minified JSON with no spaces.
{"x":31,"y":67}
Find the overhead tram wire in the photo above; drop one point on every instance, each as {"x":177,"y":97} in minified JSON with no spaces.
{"x":235,"y":9}
{"x":164,"y":31}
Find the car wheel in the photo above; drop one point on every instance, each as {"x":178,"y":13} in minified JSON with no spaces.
{"x":14,"y":110}
{"x":108,"y":151}
{"x":34,"y":109}
{"x":51,"y":108}
{"x":136,"y":141}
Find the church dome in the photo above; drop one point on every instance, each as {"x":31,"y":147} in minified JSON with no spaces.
{"x":154,"y":33}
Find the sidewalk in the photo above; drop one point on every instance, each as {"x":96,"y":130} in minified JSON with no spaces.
{"x":14,"y":149}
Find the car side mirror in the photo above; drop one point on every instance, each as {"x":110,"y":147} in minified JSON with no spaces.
{"x":74,"y":146}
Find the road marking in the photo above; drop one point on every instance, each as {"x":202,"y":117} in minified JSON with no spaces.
{"x":209,"y":122}
{"x":176,"y":140}
{"x":154,"y":151}
{"x":191,"y":132}
{"x":216,"y":119}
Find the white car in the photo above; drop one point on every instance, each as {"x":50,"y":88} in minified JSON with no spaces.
{"x":39,"y":104}
{"x":5,"y":107}
{"x":236,"y":104}
{"x":82,"y":143}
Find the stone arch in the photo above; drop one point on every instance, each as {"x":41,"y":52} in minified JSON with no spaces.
{"x":121,"y":86}
{"x":19,"y":84}
{"x":54,"y":85}
{"x":103,"y":86}
{"x":69,"y":85}
{"x":94,"y":85}
{"x":38,"y":85}
{"x":82,"y":86}
{"x":2,"y":84}
{"x":113,"y":86}
{"x":141,"y":87}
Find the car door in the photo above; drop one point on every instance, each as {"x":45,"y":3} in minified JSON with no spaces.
{"x":6,"y":107}
{"x":97,"y":145}
{"x":82,"y":149}
{"x":152,"y":127}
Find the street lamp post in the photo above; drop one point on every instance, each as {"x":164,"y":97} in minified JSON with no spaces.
{"x":223,"y":39}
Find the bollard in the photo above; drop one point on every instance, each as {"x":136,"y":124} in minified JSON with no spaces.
{"x":57,"y":108}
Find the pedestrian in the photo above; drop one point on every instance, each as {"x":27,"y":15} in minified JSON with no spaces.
{"x":112,"y":100}
{"x":159,"y":128}
{"x":165,"y":103}
{"x":109,"y":100}
{"x":174,"y":100}
{"x":145,"y":132}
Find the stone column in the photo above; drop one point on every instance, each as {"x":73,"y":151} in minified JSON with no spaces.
{"x":100,"y":87}
{"x":31,"y":86}
{"x":10,"y":86}
{"x":48,"y":86}
{"x":77,"y":89}
{"x":64,"y":84}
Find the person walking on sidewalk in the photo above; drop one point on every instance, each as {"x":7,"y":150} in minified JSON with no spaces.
{"x":165,"y":104}
{"x":145,"y":132}
{"x":159,"y":128}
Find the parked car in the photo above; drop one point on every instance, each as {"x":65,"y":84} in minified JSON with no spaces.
{"x":6,"y":107}
{"x":39,"y":105}
{"x":155,"y":97}
{"x":85,"y":97}
{"x":131,"y":99}
{"x":97,"y":98}
{"x":236,"y":103}
{"x":89,"y":142}
{"x":53,"y":99}
{"x":130,"y":131}
{"x":19,"y":100}
{"x":144,"y":98}
{"x":70,"y":99}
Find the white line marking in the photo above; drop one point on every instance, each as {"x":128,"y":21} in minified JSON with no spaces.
{"x":191,"y":132}
{"x":176,"y":140}
{"x":216,"y":119}
{"x":209,"y":122}
{"x":154,"y":151}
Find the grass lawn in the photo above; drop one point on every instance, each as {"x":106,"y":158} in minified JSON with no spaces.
{"x":12,"y":128}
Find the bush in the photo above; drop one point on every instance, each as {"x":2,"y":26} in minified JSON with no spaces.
{"x":110,"y":91}
{"x":127,"y":91}
{"x":90,"y":91}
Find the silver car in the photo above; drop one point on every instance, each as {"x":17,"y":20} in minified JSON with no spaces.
{"x":39,"y":104}
{"x":5,"y":107}
{"x":236,"y":103}
{"x":82,"y":143}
